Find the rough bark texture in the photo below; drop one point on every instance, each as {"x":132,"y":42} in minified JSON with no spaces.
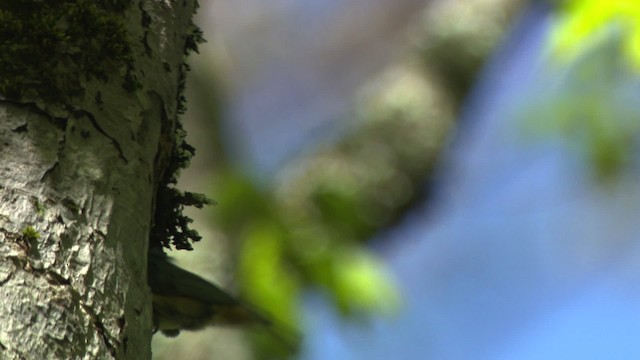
{"x":77,"y":185}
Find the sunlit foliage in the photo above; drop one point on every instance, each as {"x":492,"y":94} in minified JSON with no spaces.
{"x":584,"y":22}
{"x":595,"y":48}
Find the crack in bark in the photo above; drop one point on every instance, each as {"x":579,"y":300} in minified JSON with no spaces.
{"x":100,"y":328}
{"x":7,"y":279}
{"x":59,"y":152}
{"x":20,"y":129}
{"x":95,"y":123}
{"x":50,"y":170}
{"x":58,"y":121}
{"x":52,"y":277}
{"x":61,"y":122}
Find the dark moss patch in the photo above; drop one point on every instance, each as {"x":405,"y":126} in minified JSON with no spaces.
{"x":48,"y":47}
{"x":171,"y":227}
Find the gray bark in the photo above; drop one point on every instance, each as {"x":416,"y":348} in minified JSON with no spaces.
{"x":77,"y":185}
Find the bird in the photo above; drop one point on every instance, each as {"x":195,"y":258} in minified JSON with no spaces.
{"x":183,"y":300}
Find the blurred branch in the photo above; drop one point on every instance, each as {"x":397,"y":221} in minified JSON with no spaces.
{"x":457,"y":36}
{"x":310,"y":229}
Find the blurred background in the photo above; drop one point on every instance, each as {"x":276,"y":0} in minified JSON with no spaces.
{"x":411,"y":179}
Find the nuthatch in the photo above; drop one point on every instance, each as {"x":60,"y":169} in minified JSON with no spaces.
{"x":184,"y":301}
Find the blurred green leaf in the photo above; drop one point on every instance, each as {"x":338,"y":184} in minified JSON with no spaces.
{"x":262,"y":273}
{"x":583,"y":23}
{"x":361,"y":284}
{"x":239,"y":201}
{"x":339,"y":209}
{"x":590,"y":107}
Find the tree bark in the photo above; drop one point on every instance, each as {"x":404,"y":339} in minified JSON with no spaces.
{"x":80,"y":163}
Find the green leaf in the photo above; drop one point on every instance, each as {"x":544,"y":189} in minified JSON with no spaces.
{"x":360,"y":283}
{"x":265,"y":280}
{"x":582,"y":23}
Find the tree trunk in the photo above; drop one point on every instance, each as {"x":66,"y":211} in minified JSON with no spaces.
{"x":89,"y":97}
